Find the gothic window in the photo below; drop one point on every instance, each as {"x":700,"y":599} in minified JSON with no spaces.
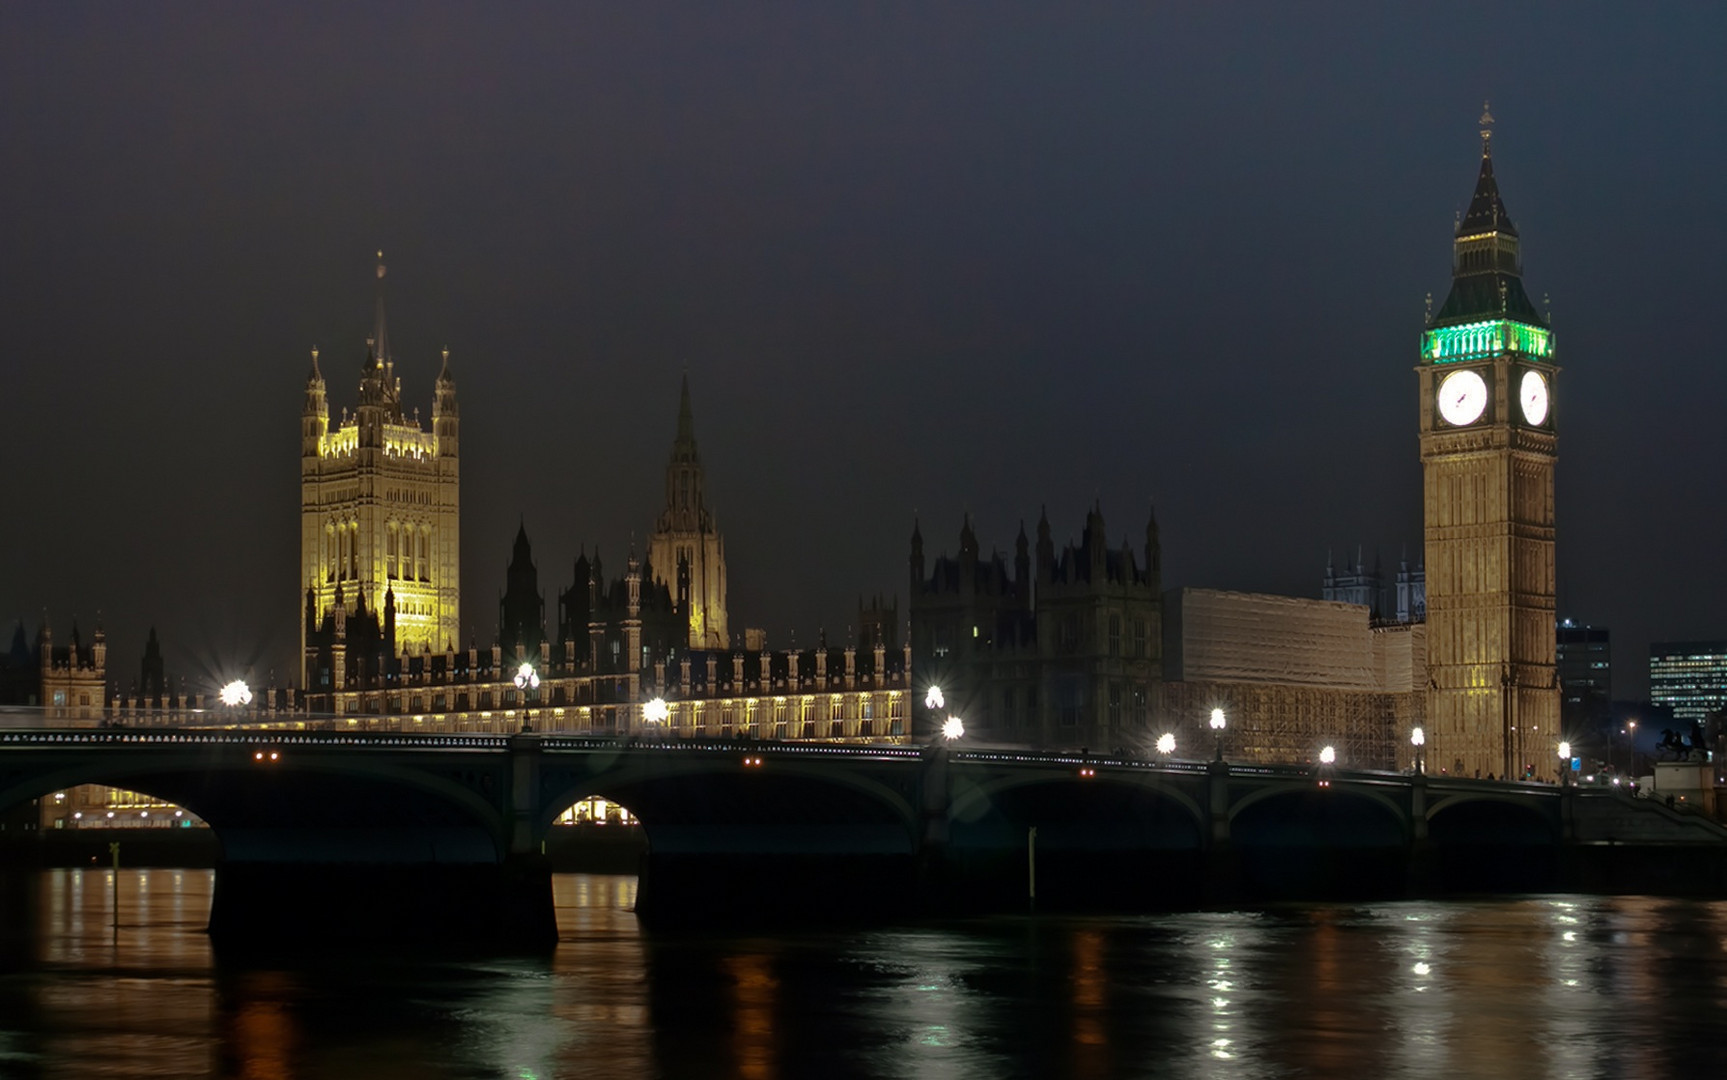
{"x":1115,"y":635}
{"x":1139,"y":639}
{"x":391,"y":546}
{"x":1114,"y":705}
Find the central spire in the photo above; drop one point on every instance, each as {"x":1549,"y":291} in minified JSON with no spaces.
{"x":1487,"y":265}
{"x":684,"y":446}
{"x":380,"y":338}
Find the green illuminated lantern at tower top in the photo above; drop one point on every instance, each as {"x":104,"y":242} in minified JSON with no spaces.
{"x":1487,"y":310}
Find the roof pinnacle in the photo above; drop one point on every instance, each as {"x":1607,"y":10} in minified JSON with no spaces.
{"x":1486,"y":129}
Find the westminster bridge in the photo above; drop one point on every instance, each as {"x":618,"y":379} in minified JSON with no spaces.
{"x":442,"y":836}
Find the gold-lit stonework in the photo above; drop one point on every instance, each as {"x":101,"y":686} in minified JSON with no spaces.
{"x":1487,"y":475}
{"x":380,"y":508}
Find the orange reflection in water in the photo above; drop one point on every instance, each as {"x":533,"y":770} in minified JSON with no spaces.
{"x":261,"y":1036}
{"x":1090,"y":998}
{"x":754,"y":994}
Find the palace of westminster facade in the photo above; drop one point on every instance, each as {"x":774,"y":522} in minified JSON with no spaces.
{"x":1073,"y":647}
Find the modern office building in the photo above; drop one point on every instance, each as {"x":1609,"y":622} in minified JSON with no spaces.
{"x":1585,"y":659}
{"x":1689,"y":676}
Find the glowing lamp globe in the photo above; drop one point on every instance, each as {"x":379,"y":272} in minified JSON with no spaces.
{"x":1418,"y":737}
{"x":952,"y":728}
{"x":934,"y":699}
{"x":1327,"y":756}
{"x":656,"y":711}
{"x":1217,"y":720}
{"x":235,"y":694}
{"x":1565,"y":750}
{"x":1166,"y":743}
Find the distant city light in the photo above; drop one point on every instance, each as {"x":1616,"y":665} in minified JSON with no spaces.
{"x":953,"y":728}
{"x":1327,"y":756}
{"x":934,"y":699}
{"x":1166,"y":743}
{"x":236,"y":693}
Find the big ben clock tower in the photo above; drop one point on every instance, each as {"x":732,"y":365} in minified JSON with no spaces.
{"x":1487,"y":453}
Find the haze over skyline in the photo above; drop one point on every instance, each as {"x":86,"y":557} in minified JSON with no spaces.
{"x":914,"y":261}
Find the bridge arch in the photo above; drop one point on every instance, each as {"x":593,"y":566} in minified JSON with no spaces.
{"x":1494,"y":841}
{"x":1341,"y":840}
{"x":246,"y":801}
{"x":1340,"y":789}
{"x":748,"y":792}
{"x":1126,"y":839}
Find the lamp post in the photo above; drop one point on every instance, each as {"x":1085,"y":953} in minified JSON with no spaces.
{"x":528,"y":682}
{"x":235,"y":695}
{"x":1218,"y":722}
{"x":935,"y":701}
{"x":1418,"y":739}
{"x":1631,"y":752}
{"x":655,"y":712}
{"x":1564,"y":763}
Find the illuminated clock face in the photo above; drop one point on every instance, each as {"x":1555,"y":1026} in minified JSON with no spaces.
{"x":1532,"y":395}
{"x":1462,"y":397}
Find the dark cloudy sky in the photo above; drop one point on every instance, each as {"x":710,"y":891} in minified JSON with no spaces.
{"x":914,"y":258}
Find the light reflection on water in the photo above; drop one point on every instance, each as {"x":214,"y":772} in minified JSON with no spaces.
{"x":1528,"y":987}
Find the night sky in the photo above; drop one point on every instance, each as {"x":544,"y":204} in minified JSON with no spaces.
{"x":916,"y":259}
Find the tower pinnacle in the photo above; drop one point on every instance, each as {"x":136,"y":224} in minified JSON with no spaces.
{"x":380,"y":339}
{"x":1486,"y":122}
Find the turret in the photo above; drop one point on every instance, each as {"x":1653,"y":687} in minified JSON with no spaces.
{"x":1045,"y":548}
{"x":445,"y":414}
{"x":917,"y":578}
{"x":315,"y":415}
{"x":1022,"y":565}
{"x":1153,"y":552}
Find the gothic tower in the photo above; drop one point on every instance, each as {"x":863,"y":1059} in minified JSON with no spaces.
{"x":685,"y":551}
{"x":379,"y":503}
{"x":1487,"y":454}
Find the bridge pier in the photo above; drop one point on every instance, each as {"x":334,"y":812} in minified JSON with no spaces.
{"x":1221,"y":862}
{"x":1419,"y":880}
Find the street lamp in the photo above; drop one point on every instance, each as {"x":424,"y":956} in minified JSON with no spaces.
{"x":1166,"y":744}
{"x":1418,"y":739}
{"x":1565,"y":762}
{"x":952,"y":728}
{"x":655,"y":712}
{"x":1328,"y":756}
{"x":236,"y":694}
{"x":934,"y":699}
{"x":1217,"y":725}
{"x":528,"y":682}
{"x":1631,"y":763}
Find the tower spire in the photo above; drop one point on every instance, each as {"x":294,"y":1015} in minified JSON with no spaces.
{"x":686,"y":422}
{"x":1487,"y":265}
{"x":380,"y":337}
{"x":1486,"y":130}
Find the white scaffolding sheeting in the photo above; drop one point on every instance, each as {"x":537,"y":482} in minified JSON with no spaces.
{"x":1238,"y":637}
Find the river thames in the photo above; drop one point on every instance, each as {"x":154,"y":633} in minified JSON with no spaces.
{"x":1560,"y":986}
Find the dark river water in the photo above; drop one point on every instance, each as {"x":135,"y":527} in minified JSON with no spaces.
{"x":1527,"y":987}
